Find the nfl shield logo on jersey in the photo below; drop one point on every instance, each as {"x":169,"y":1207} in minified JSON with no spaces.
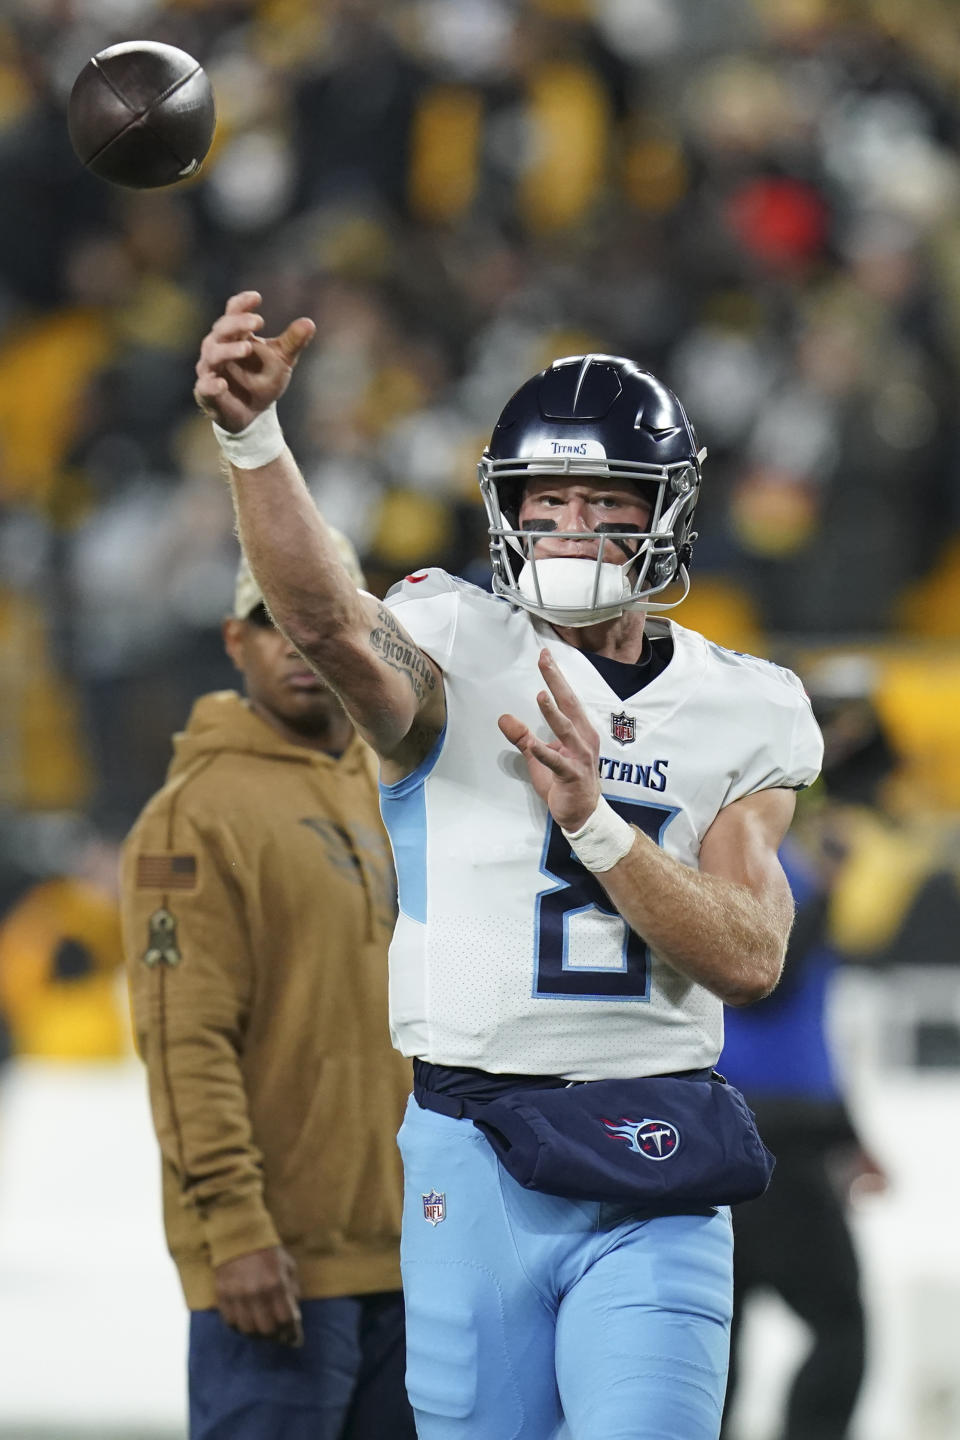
{"x":623,"y":728}
{"x":434,"y":1207}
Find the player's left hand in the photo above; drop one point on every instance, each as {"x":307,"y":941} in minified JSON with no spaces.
{"x":564,"y":771}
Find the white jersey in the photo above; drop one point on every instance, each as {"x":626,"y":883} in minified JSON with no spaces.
{"x":508,"y":955}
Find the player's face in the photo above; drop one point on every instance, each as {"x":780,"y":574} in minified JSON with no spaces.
{"x":278,"y":680}
{"x":584,"y":505}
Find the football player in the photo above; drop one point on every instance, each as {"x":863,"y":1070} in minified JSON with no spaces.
{"x":585,"y":802}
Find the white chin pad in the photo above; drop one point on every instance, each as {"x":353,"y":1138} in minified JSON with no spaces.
{"x":567,"y":583}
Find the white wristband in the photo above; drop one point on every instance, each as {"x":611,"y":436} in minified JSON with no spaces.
{"x":603,"y":840}
{"x":261,"y":441}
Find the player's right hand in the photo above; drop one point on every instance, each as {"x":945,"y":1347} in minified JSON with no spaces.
{"x":258,"y":1295}
{"x":240,"y":374}
{"x":564,"y":772}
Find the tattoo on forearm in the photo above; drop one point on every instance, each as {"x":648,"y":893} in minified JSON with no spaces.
{"x":393,"y":644}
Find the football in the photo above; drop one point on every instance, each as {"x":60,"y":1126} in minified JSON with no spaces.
{"x":141,"y":114}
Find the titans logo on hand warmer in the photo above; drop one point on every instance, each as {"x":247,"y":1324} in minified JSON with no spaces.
{"x":656,"y":1139}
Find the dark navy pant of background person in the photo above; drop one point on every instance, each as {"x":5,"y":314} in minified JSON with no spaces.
{"x":345,"y":1383}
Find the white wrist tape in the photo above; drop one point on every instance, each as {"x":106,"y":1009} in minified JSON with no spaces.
{"x":261,"y":441}
{"x":603,"y":840}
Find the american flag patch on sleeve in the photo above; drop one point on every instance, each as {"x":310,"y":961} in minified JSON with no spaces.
{"x":166,"y":872}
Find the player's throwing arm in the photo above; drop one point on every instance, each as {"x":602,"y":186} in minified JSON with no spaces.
{"x":392,"y":691}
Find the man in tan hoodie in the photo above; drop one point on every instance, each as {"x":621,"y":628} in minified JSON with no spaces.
{"x":258,"y":901}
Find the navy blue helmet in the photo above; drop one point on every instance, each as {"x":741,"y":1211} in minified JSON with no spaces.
{"x":602,"y":418}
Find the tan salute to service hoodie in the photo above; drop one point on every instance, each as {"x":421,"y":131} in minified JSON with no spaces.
{"x":258,"y":905}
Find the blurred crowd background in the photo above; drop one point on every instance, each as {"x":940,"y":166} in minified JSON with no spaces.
{"x":757,"y":199}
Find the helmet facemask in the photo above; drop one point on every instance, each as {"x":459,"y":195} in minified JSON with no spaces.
{"x":574,"y":591}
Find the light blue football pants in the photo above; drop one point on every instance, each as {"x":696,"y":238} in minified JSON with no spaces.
{"x":530,"y":1317}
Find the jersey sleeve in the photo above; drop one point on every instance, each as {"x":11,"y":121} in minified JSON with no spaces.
{"x":427,"y":604}
{"x":789,"y":752}
{"x":807,"y":747}
{"x":470,"y":633}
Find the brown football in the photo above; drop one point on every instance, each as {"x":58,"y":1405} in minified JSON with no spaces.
{"x":142,"y":114}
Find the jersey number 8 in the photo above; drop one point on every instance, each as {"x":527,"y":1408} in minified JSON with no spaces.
{"x":585,"y":950}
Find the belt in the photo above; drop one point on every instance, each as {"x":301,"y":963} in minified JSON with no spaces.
{"x":459,"y":1092}
{"x":456,"y":1091}
{"x":449,"y":1105}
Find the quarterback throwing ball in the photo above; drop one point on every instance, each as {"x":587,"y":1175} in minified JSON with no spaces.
{"x":585,"y":801}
